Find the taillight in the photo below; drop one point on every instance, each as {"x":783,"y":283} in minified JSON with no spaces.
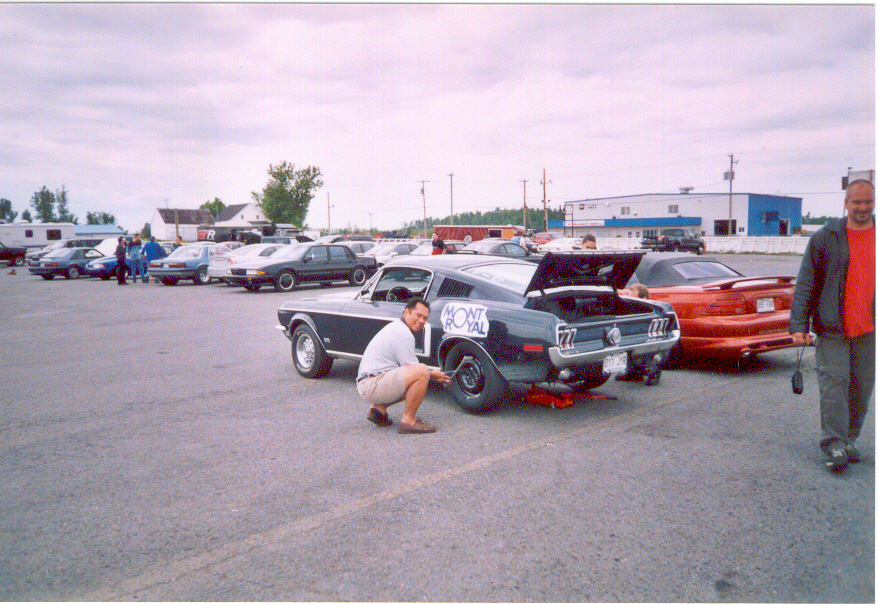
{"x":729,"y":304}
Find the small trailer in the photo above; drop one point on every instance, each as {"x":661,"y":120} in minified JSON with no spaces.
{"x":35,"y":234}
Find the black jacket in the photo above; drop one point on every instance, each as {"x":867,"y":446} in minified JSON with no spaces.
{"x":820,"y":285}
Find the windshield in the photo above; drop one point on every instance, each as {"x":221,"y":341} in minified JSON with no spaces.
{"x":704,"y":270}
{"x":480,"y":246}
{"x":291,"y":252}
{"x":382,"y":249}
{"x":187,"y":251}
{"x":515,"y":277}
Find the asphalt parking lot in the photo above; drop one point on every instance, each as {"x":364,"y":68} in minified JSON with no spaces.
{"x":156,"y":443}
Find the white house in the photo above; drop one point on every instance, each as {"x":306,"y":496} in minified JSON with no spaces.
{"x":242,"y":215}
{"x":167,"y":223}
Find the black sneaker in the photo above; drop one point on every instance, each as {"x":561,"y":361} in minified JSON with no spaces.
{"x":852,"y":453}
{"x":837,"y":458}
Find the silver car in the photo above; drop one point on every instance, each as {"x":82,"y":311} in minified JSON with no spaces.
{"x":221,"y":263}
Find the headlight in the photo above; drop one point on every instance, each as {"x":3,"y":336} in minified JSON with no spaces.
{"x":252,"y":272}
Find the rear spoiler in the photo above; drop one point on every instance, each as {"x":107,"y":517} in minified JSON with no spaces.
{"x":729,"y":284}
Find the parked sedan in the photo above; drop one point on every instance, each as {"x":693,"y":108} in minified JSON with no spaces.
{"x":67,"y":261}
{"x":560,"y":244}
{"x":722,"y":313}
{"x":498,"y":247}
{"x":220,"y":264}
{"x":494,"y":320}
{"x":294,"y":264}
{"x":105,"y":267}
{"x":385,"y":251}
{"x":186,"y":262}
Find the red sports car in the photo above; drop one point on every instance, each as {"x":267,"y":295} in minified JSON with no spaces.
{"x":722,"y":313}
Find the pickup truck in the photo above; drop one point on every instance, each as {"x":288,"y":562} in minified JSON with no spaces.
{"x":674,"y":240}
{"x":13,"y":255}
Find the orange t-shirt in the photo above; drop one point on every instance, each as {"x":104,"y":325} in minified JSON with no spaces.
{"x":859,"y":286}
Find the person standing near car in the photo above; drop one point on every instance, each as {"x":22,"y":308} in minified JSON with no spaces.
{"x":438,"y":244}
{"x":135,"y":262}
{"x":151,"y":251}
{"x":390,"y":371}
{"x":835,"y":296}
{"x":121,"y":267}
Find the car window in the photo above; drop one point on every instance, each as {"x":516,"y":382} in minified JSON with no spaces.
{"x":704,"y":270}
{"x":338,"y":254}
{"x":92,"y":253}
{"x":317,"y":254}
{"x":514,"y":250}
{"x":515,"y":277}
{"x":414,"y":283}
{"x":269,"y":250}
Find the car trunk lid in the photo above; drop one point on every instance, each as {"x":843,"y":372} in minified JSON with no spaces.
{"x":611,"y":268}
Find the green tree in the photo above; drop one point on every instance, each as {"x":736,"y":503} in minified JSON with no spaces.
{"x":99,"y":218}
{"x":25,"y":215}
{"x":43,"y":203}
{"x":6,"y":213}
{"x":146,"y":231}
{"x":64,"y":214}
{"x":215,"y":207}
{"x":288,"y":193}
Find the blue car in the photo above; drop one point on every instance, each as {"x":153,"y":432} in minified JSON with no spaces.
{"x":186,"y":262}
{"x":105,"y":267}
{"x":67,"y":261}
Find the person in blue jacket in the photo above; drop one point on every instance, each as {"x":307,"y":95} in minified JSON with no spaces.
{"x":151,"y":251}
{"x":135,"y":261}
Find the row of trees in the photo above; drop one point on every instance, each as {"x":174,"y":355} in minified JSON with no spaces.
{"x":535,"y":218}
{"x":51,"y":207}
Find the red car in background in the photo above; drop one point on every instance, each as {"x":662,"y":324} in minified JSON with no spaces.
{"x":541,"y":238}
{"x":723,"y":314}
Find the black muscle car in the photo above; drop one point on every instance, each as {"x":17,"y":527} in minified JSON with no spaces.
{"x":496,"y":320}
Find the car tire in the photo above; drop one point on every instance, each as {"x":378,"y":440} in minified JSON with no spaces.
{"x":252,"y":287}
{"x":105,"y":277}
{"x":169,"y":280}
{"x":200,"y":277}
{"x":19,"y":261}
{"x":653,"y":379}
{"x":358,"y":276}
{"x":478,"y":386}
{"x":72,"y":272}
{"x":594,"y":379}
{"x":675,"y":357}
{"x":309,"y":357}
{"x":48,"y":277}
{"x":286,"y":281}
{"x":700,"y":250}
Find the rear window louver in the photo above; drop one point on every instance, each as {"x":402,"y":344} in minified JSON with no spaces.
{"x":451,"y":288}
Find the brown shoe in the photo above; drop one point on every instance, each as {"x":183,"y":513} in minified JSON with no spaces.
{"x":379,"y":418}
{"x":418,"y":427}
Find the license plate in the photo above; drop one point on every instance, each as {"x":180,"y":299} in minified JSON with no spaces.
{"x":765,"y":305}
{"x":616,"y":363}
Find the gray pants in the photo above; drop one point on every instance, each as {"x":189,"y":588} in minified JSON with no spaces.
{"x":846,"y":376}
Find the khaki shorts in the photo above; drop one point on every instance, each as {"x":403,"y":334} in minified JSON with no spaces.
{"x":384,"y":389}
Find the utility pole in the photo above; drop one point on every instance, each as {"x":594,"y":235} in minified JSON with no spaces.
{"x":545,"y":208}
{"x":424,"y":198}
{"x":370,"y":222}
{"x":328,"y":218}
{"x":451,"y":220}
{"x":730,"y":176}
{"x":524,"y":210}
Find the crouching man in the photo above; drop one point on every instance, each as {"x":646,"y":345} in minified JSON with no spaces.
{"x":390,"y":371}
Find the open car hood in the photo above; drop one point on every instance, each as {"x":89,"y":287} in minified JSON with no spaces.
{"x":565,"y":269}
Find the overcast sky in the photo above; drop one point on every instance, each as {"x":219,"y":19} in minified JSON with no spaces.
{"x":133,"y":107}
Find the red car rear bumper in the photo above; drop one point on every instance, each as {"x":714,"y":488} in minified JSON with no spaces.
{"x":735,"y":337}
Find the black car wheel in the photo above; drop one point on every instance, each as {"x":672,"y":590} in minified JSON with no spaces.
{"x":310,"y":359}
{"x":48,"y":277}
{"x":358,"y":276}
{"x":700,"y":250}
{"x":169,"y":280}
{"x":286,"y":282}
{"x":477,"y":386}
{"x":73,"y":272}
{"x":201,"y":277}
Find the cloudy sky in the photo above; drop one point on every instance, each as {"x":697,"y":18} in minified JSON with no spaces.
{"x":133,"y":106}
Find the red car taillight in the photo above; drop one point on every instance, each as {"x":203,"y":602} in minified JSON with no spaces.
{"x":729,"y":304}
